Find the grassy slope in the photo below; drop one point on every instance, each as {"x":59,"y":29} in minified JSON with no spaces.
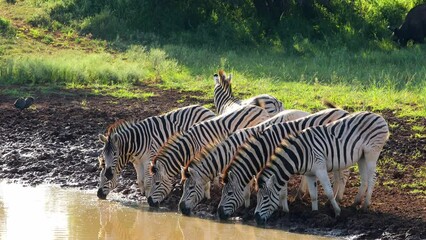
{"x":381,"y":79}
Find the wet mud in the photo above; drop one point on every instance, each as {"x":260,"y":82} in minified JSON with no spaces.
{"x":56,"y":141}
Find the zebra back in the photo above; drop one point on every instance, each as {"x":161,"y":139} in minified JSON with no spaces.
{"x":254,"y":154}
{"x":213,"y":158}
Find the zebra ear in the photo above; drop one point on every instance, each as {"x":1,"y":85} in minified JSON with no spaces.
{"x":222,"y":75}
{"x":102,"y":138}
{"x":183,"y":174}
{"x":114,"y":138}
{"x":216,"y":78}
{"x":229,"y":78}
{"x":270,"y":181}
{"x":182,"y":171}
{"x":230,"y":175}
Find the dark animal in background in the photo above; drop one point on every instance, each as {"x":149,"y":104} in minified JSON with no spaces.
{"x":21,"y":103}
{"x":413,"y":28}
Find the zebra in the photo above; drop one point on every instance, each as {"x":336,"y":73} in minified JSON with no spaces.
{"x":137,"y":141}
{"x":256,"y":152}
{"x":182,"y":147}
{"x":225,"y":101}
{"x":206,"y":166}
{"x":357,"y":138}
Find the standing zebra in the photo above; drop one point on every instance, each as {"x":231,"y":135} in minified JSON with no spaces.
{"x":182,"y":147}
{"x":256,"y":152}
{"x":225,"y":101}
{"x":137,"y":141}
{"x":205,"y":167}
{"x":357,"y":138}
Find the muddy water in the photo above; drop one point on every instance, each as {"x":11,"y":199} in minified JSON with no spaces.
{"x":49,"y":212}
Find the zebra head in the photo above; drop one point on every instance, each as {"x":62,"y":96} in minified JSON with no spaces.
{"x":268,"y":198}
{"x":107,"y":162}
{"x":234,"y":195}
{"x":162,"y":184}
{"x":222,"y":80}
{"x":195,"y":188}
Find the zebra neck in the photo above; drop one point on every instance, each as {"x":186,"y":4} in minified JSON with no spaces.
{"x":224,"y":99}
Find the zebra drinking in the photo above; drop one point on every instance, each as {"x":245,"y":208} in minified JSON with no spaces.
{"x":226,"y":102}
{"x":357,"y":138}
{"x":182,"y":147}
{"x":256,"y":152}
{"x":137,"y":141}
{"x":207,"y":165}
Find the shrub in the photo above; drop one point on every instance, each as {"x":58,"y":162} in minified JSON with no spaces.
{"x":6,"y":29}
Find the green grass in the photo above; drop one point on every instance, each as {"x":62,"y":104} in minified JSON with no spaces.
{"x":349,"y":80}
{"x":301,"y":77}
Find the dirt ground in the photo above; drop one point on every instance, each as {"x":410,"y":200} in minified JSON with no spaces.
{"x":56,"y":141}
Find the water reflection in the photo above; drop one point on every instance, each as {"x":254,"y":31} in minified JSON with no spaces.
{"x":47,"y":212}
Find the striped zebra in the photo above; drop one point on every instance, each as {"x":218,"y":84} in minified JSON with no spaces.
{"x":137,"y":141}
{"x":225,"y":101}
{"x":256,"y":152}
{"x":181,"y":148}
{"x":357,"y":138}
{"x":202,"y":169}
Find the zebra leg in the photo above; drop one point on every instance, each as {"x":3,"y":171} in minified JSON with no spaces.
{"x":371,"y":161}
{"x":303,"y":188}
{"x":363,"y":186}
{"x":140,"y":170}
{"x":247,"y":196}
{"x":207,"y":190}
{"x":313,"y":192}
{"x":339,"y":182}
{"x":283,"y":198}
{"x":328,"y":190}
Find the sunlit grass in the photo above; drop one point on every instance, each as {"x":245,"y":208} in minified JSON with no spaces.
{"x":366,"y":79}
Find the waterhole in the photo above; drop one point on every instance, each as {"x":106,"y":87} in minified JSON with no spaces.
{"x":50,"y":212}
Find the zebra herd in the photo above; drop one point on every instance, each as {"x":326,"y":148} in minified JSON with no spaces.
{"x":250,"y":142}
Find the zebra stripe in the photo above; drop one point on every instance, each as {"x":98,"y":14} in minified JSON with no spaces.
{"x":206,"y":166}
{"x":357,"y":138}
{"x":255,"y":153}
{"x":226,"y":102}
{"x":137,"y":141}
{"x":181,"y":148}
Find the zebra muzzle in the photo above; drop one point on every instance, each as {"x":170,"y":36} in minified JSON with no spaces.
{"x":259,"y":220}
{"x":222,"y":214}
{"x":185,"y":210}
{"x":101,"y":194}
{"x":152,"y":203}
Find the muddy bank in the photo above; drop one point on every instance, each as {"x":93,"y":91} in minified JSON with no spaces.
{"x":56,"y":141}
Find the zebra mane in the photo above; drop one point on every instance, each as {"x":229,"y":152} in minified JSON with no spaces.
{"x":114,"y":127}
{"x":165,"y":147}
{"x":202,"y":154}
{"x":199,"y":156}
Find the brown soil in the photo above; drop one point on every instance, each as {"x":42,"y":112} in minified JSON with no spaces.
{"x":56,"y":141}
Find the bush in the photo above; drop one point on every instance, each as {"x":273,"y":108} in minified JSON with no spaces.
{"x":351,"y":23}
{"x":104,"y":25}
{"x":6,"y":29}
